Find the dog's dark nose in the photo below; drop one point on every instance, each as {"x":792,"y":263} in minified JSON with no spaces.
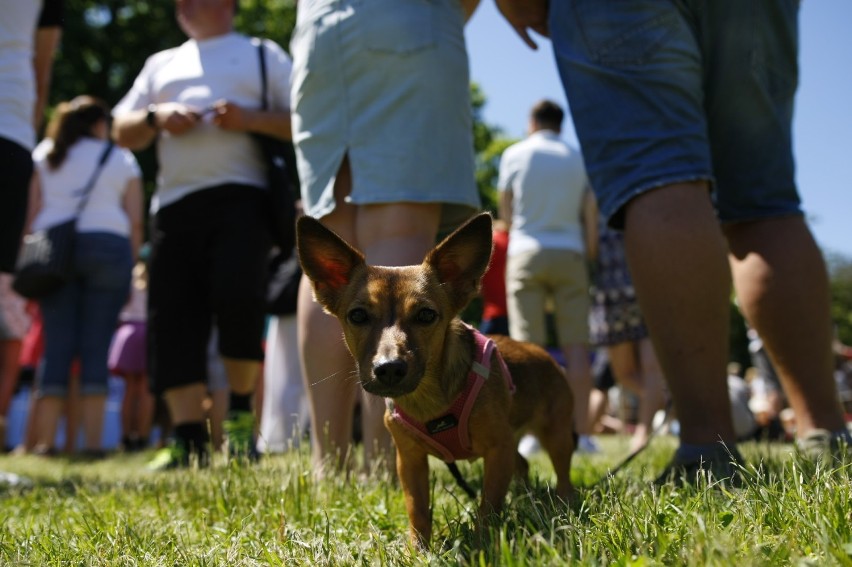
{"x":390,"y":372}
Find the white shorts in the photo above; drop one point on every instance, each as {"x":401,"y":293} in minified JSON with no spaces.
{"x":385,"y":82}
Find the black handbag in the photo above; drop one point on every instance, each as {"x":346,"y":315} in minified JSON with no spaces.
{"x":279,"y":192}
{"x":285,"y":273}
{"x":46,"y":260}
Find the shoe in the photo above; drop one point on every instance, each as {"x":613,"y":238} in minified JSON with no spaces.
{"x":172,"y":456}
{"x":12,"y":480}
{"x":529,"y":446}
{"x":239,"y":434}
{"x":721,"y":464}
{"x":90,"y":455}
{"x":586,"y":444}
{"x":821,"y":443}
{"x":134,"y":444}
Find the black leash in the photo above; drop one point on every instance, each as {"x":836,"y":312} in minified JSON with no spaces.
{"x":612,"y":472}
{"x":457,"y":475}
{"x":454,"y":470}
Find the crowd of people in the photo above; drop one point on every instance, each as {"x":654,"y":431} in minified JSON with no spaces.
{"x":614,"y":255}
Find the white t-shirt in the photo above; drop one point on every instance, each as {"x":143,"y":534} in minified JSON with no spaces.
{"x":104,"y":212}
{"x":197,"y":74}
{"x":17,"y":77}
{"x":547,"y":179}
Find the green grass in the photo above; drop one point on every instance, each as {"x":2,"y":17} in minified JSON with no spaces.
{"x":274,"y":513}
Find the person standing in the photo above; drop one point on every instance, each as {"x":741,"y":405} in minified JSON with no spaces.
{"x":618,"y":330}
{"x":545,"y":198}
{"x":382,"y":126}
{"x":684,"y":112}
{"x":80,"y":318}
{"x":495,"y":311}
{"x":29,"y":34}
{"x":30,"y":31}
{"x":200,"y":102}
{"x":128,"y":360}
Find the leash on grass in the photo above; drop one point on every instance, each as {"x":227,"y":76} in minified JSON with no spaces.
{"x":454,"y":470}
{"x":460,"y":480}
{"x":612,"y":472}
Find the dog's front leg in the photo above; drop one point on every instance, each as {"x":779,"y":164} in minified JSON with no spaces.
{"x":499,"y":464}
{"x":412,"y":466}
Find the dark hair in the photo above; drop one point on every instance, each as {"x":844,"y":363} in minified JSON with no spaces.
{"x":71,"y":121}
{"x":548,"y":114}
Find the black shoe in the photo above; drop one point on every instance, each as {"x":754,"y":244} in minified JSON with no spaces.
{"x":239,"y":435}
{"x":721,"y":464}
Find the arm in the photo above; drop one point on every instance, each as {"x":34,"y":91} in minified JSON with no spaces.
{"x":35,"y":202}
{"x":504,"y":209}
{"x":589,"y":220}
{"x":46,"y":42}
{"x":274,"y":123}
{"x":132,"y":130}
{"x":525,"y":15}
{"x":133,"y":203}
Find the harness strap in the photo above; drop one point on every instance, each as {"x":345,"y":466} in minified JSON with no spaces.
{"x":438,"y":434}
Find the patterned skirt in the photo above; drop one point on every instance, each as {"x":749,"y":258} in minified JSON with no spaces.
{"x":614,"y":316}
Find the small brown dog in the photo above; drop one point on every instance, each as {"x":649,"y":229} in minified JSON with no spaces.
{"x":449,"y":391}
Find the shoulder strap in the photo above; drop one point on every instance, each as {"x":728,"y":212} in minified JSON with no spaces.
{"x":261,"y":56}
{"x":87,"y":189}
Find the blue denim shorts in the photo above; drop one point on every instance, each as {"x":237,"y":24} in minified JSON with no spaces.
{"x":668,"y":91}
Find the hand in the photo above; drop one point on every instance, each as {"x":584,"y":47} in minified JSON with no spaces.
{"x":228,"y":116}
{"x":525,"y":15}
{"x":176,"y":118}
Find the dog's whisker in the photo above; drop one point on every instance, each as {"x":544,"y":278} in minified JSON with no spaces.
{"x":329,"y":377}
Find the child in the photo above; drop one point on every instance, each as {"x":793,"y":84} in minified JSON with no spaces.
{"x":127,"y":359}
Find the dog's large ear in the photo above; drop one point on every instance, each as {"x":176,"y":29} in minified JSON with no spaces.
{"x":326,"y":259}
{"x":461,"y":259}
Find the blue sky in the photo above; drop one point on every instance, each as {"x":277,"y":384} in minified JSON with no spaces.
{"x":514,"y":77}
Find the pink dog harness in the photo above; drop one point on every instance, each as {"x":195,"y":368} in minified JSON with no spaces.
{"x":448,"y":435}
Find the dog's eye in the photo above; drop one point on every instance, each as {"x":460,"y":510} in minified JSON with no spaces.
{"x":426,"y":315}
{"x":358,"y":316}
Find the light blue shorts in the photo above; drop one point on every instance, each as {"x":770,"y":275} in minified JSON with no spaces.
{"x":386,"y":82}
{"x":666,"y":91}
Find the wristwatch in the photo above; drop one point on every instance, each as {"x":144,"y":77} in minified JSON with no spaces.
{"x":151,"y":117}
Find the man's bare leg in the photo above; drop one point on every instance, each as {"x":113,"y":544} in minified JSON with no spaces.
{"x":783,"y":291}
{"x":678,"y":261}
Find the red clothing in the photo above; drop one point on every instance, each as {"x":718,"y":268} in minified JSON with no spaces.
{"x":494,"y":280}
{"x":32,"y":346}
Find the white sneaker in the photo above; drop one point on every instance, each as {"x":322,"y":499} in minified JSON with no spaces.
{"x":529,"y":446}
{"x":8,"y":479}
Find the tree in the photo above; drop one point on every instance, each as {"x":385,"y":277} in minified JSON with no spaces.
{"x":489,"y":144}
{"x":840,"y":273}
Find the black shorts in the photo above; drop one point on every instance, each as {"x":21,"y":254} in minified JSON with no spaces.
{"x":602,"y":374}
{"x":16,"y":163}
{"x":208,"y":265}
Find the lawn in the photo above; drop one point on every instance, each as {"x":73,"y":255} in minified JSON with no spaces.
{"x":275,"y":513}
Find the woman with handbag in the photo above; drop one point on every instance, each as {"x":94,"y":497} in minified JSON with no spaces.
{"x":81,"y":316}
